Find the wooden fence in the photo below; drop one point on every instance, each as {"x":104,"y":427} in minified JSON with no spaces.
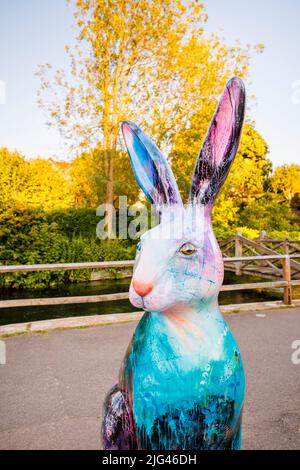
{"x":254,"y":250}
{"x":286,"y":282}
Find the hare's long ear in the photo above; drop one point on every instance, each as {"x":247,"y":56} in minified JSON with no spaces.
{"x":220,"y":144}
{"x":150,"y":167}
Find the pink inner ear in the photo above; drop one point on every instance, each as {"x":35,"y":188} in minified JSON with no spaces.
{"x":128,"y":135}
{"x":221,"y":131}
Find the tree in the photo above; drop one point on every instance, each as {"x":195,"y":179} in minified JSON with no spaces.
{"x":13,"y":179}
{"x":31,"y":184}
{"x":136,"y":59}
{"x":88,"y":180}
{"x":84,"y":171}
{"x":249,"y":170}
{"x":48,"y":187}
{"x":266,"y":214}
{"x":286,"y":181}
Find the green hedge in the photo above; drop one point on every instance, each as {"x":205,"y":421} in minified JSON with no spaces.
{"x":34,"y":237}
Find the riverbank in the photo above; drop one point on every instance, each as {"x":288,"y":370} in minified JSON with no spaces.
{"x":29,"y":314}
{"x":119,"y":318}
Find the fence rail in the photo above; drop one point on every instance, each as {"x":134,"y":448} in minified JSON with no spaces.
{"x":65,"y":266}
{"x":269,"y":268}
{"x":286,"y":283}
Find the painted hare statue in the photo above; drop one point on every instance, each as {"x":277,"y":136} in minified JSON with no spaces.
{"x":181,"y":384}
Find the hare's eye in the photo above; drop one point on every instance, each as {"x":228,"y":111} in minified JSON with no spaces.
{"x":138,"y":246}
{"x":188,"y":249}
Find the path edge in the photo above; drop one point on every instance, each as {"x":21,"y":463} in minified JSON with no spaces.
{"x":118,"y":318}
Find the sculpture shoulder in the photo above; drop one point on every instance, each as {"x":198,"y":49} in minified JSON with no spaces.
{"x":125,"y":373}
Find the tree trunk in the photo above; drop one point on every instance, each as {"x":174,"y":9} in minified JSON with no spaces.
{"x":109,"y":171}
{"x":110,"y":193}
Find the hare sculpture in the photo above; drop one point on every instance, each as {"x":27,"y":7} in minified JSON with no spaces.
{"x":181,"y":383}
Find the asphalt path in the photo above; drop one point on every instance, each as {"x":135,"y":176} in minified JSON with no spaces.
{"x":52,"y":386}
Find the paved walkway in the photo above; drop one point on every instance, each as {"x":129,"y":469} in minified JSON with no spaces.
{"x":52,"y":387}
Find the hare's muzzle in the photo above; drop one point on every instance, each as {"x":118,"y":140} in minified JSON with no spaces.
{"x":142,"y":288}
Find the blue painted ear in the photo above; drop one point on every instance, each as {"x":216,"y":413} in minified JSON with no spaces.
{"x":220,"y":144}
{"x":151,"y":168}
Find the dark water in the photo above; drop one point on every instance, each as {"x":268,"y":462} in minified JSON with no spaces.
{"x":28,"y":314}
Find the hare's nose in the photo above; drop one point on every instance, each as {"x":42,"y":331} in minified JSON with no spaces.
{"x":142,"y":288}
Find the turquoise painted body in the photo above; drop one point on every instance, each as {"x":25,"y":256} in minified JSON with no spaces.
{"x":173,"y":384}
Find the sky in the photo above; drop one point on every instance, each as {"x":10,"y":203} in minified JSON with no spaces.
{"x":35,"y":32}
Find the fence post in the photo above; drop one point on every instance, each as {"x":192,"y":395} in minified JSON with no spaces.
{"x":238,"y":252}
{"x":287,"y":290}
{"x":262,"y":234}
{"x":286,"y":246}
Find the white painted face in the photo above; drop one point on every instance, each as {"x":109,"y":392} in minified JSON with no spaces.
{"x":177,"y":262}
